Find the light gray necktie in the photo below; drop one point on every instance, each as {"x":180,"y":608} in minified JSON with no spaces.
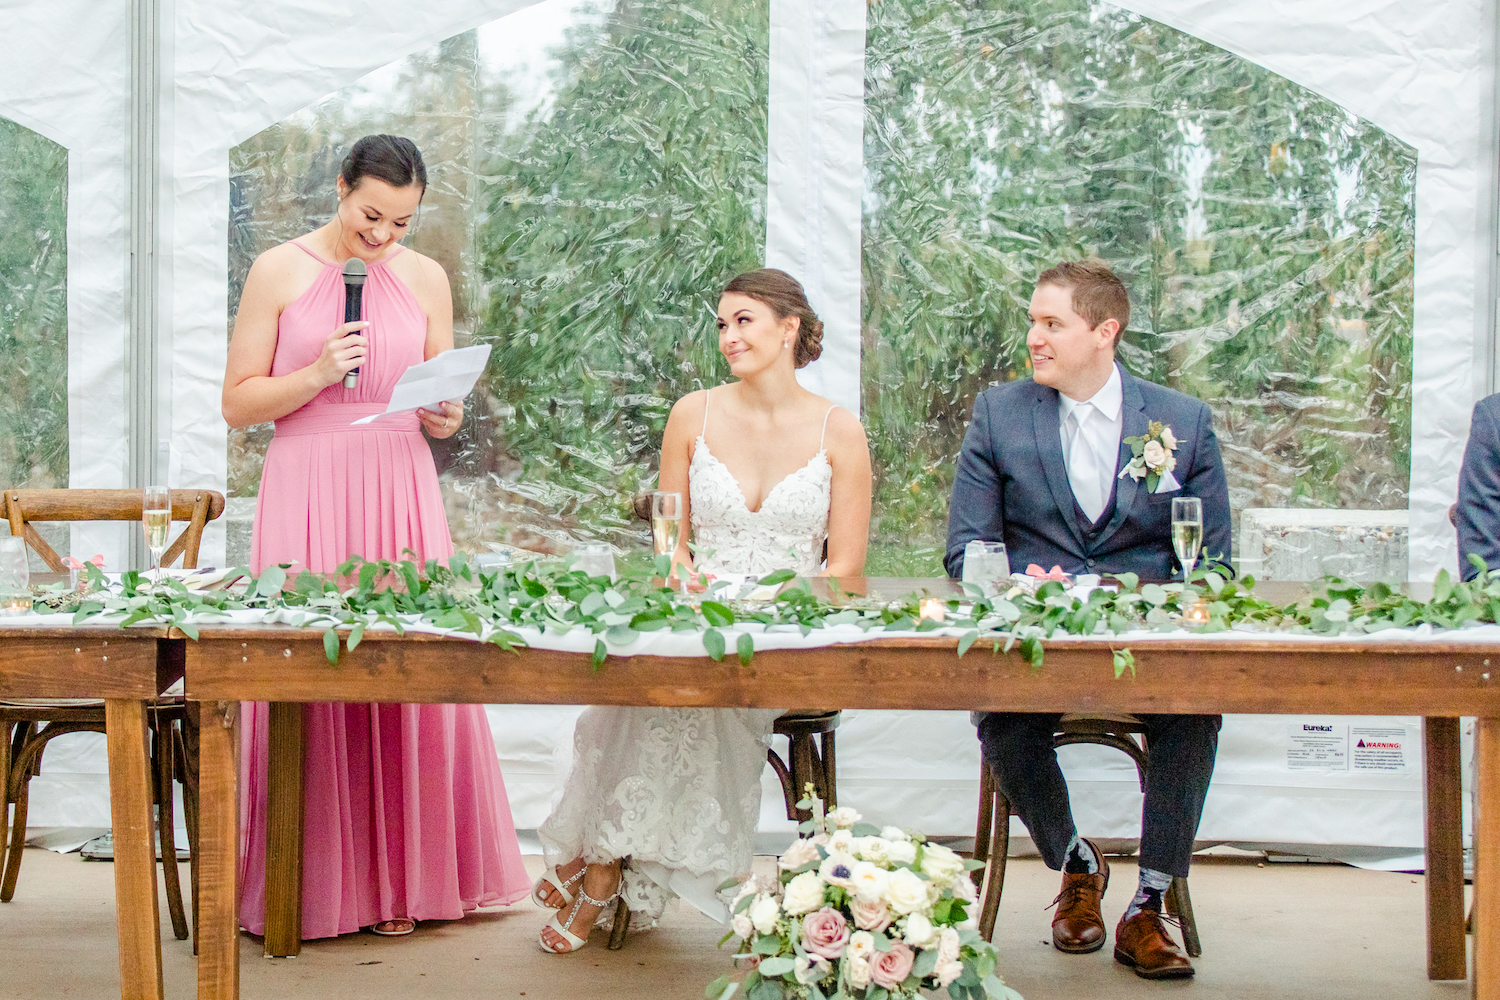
{"x":1086,"y":473}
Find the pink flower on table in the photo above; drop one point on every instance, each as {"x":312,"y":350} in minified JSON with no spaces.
{"x":825,"y":932}
{"x":72,"y":563}
{"x":874,"y":916}
{"x":890,"y":968}
{"x":1055,"y":573}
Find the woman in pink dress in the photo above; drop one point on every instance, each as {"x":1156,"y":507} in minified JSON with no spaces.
{"x":406,"y":813}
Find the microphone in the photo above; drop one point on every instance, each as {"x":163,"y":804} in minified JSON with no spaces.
{"x":354,"y":290}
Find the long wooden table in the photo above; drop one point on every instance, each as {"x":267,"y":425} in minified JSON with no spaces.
{"x":1438,"y":680}
{"x":126,"y":668}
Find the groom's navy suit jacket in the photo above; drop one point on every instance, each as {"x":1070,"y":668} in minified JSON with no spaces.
{"x":1479,"y":490}
{"x":1012,"y":485}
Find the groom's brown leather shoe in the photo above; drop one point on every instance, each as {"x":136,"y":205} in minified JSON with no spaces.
{"x":1142,"y":942}
{"x":1078,"y":927}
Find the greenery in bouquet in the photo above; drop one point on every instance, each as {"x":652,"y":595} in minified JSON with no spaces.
{"x":860,"y":913}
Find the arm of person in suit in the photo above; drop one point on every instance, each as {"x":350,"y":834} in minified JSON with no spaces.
{"x":1479,"y":491}
{"x":1206,"y":482}
{"x":976,"y":508}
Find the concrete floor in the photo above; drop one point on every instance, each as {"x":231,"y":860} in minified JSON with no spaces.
{"x":1280,"y":931}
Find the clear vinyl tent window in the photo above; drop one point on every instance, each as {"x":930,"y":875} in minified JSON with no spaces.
{"x":596,"y":173}
{"x":1266,"y":235}
{"x":33,"y":309}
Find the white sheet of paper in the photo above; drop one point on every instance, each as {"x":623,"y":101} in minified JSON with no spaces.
{"x":450,"y":375}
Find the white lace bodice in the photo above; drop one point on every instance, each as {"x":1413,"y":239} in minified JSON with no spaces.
{"x":786,"y":533}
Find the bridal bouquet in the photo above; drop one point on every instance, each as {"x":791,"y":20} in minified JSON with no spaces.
{"x":860,"y":913}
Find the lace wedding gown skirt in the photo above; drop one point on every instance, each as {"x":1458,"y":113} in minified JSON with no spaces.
{"x":677,"y":790}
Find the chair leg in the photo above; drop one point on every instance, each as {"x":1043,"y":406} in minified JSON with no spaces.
{"x":805,"y":768}
{"x":830,"y":772}
{"x":166,"y":823}
{"x":187,"y":773}
{"x":22,"y":793}
{"x":5,"y":737}
{"x":621,"y":925}
{"x":982,"y":825}
{"x":1180,"y":903}
{"x":788,"y":790}
{"x":999,"y":853}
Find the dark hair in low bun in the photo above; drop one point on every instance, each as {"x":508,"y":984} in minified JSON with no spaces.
{"x":394,"y":159}
{"x":784,"y":294}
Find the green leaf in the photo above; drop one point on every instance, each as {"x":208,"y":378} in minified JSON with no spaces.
{"x":716,"y":613}
{"x":271,"y":580}
{"x":1124,"y":660}
{"x":745,"y":646}
{"x":767,"y":944}
{"x":1128,"y":581}
{"x":191,"y":631}
{"x":600,"y":652}
{"x":720,"y":988}
{"x":713,"y":643}
{"x":331,"y":645}
{"x":356,"y":636}
{"x":864,"y":830}
{"x":1154,"y":594}
{"x":779,"y":576}
{"x":778,"y":965}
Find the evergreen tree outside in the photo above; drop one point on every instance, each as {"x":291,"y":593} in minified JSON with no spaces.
{"x":1265,"y":233}
{"x":33,"y":309}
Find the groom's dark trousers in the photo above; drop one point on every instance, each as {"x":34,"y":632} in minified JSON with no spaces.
{"x":1012,"y":485}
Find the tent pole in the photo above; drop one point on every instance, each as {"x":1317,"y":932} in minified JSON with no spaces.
{"x":1489,"y":303}
{"x":143,"y":466}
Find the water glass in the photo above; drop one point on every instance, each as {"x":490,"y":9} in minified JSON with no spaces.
{"x":1187,"y":531}
{"x":15,"y":577}
{"x":986,"y":564}
{"x":596,"y":559}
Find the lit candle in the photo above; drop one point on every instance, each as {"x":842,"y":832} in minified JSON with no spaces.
{"x":932,"y":608}
{"x":1197,"y":614}
{"x":15,"y":604}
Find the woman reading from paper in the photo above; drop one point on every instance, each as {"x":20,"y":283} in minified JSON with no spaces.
{"x":406,"y":814}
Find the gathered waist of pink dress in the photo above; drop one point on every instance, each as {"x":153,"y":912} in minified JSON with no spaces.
{"x":327,"y":418}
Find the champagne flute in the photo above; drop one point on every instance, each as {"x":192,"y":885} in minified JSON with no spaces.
{"x":1187,"y":531}
{"x":156,"y":519}
{"x":666,"y":523}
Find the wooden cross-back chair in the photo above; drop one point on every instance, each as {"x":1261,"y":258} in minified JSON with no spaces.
{"x":28,"y":726}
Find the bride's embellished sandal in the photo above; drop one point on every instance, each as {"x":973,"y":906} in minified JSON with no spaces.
{"x":558,"y":883}
{"x":563,"y":931}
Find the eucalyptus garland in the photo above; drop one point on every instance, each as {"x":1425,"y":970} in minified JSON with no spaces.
{"x":555,"y":597}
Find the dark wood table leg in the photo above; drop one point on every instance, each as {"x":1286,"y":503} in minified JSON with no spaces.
{"x":218,"y":850}
{"x":1447,"y":949}
{"x":286,"y":742}
{"x":1486,"y":981}
{"x":136,"y":913}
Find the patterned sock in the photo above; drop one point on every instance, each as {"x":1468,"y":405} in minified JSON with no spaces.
{"x":1154,"y":885}
{"x":1080,"y":860}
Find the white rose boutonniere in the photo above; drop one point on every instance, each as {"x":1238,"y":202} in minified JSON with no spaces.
{"x":1154,"y":459}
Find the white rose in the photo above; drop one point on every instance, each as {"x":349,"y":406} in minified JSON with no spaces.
{"x":869,"y":882}
{"x":740,"y":924}
{"x":947,"y":971}
{"x":799,"y":854}
{"x":872,"y":849}
{"x":804,"y":893}
{"x":1154,"y":455}
{"x":948,"y":966}
{"x":838,"y":869}
{"x":747,"y":888}
{"x":859,"y":972}
{"x":919,"y":931}
{"x":902,"y":852}
{"x":812,"y":969}
{"x":941,"y":864}
{"x":764,"y":913}
{"x":907,"y":892}
{"x":1168,"y":438}
{"x":844,"y":817}
{"x":894,"y":833}
{"x":963,"y":888}
{"x":842,"y":842}
{"x":861,"y":946}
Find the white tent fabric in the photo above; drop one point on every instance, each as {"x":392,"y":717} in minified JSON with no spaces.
{"x":1421,"y":71}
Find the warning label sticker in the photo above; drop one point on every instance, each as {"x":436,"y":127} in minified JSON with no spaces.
{"x":1314,"y":746}
{"x":1380,"y":749}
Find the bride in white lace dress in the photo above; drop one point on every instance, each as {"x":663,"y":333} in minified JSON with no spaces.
{"x":770,"y":470}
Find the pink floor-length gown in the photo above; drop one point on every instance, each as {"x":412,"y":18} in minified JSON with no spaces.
{"x":406,"y":812}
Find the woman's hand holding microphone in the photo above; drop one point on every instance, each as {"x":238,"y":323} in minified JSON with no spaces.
{"x":344,"y":350}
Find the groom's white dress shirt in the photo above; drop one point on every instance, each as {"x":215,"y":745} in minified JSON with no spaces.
{"x":1091,"y":432}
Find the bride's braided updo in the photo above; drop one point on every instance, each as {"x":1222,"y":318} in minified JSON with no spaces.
{"x":784,"y":294}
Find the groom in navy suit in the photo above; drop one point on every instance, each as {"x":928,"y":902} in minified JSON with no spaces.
{"x":1042,"y":469}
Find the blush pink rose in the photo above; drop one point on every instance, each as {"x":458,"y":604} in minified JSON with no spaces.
{"x":890,"y":968}
{"x":825,"y":932}
{"x":870,"y":916}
